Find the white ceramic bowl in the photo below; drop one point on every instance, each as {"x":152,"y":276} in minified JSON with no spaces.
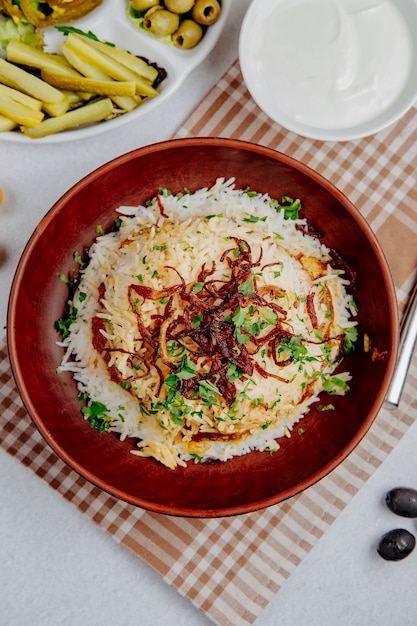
{"x":109,"y":22}
{"x":319,"y":83}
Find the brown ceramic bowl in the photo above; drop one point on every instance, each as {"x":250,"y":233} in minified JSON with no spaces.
{"x":245,"y":483}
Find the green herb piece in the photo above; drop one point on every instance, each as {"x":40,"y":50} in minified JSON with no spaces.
{"x":328,"y":313}
{"x":290,"y":207}
{"x":100,"y":230}
{"x":257,"y":401}
{"x":175,"y":348}
{"x":271,"y":450}
{"x":238,"y":317}
{"x":242,"y":394}
{"x":269,"y":315}
{"x":335,"y":385}
{"x":197,"y":319}
{"x":187,"y":368}
{"x":210,"y":217}
{"x":78,"y":259}
{"x":253,"y":219}
{"x":233,"y":372}
{"x":198,"y":287}
{"x":67,"y":280}
{"x":351,"y":336}
{"x":96,"y":413}
{"x":208,"y":392}
{"x":63,"y":324}
{"x":247,"y":287}
{"x":326,"y":407}
{"x":294,"y":347}
{"x":125,"y":384}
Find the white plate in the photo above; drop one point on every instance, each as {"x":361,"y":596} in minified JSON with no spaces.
{"x":109,"y":22}
{"x":263,"y":64}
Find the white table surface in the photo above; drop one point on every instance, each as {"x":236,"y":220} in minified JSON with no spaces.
{"x":56,"y":566}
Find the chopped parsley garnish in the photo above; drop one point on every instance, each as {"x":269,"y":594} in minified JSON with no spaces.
{"x":125,"y":384}
{"x":253,"y":219}
{"x":290,"y":207}
{"x":63,"y":324}
{"x":335,"y":385}
{"x":208,"y":391}
{"x":293,"y":347}
{"x":197,"y":319}
{"x":247,"y":287}
{"x":351,"y":336}
{"x":96,"y":413}
{"x":198,"y":287}
{"x":78,"y":259}
{"x":68,"y":281}
{"x":210,"y":217}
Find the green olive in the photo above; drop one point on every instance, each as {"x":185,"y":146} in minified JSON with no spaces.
{"x":206,"y":12}
{"x":188,"y":34}
{"x":179,"y":6}
{"x":143,"y":5}
{"x":160,"y":22}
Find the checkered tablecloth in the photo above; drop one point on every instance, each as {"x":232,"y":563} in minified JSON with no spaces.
{"x":231,"y":567}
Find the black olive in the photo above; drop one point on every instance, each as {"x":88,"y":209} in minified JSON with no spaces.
{"x":396,"y":544}
{"x":402,"y":501}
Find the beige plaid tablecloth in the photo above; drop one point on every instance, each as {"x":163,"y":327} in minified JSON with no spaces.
{"x":230,"y":568}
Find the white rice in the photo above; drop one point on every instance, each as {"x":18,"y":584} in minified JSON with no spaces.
{"x":185,"y":233}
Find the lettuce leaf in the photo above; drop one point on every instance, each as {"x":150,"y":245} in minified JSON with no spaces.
{"x":23,"y":31}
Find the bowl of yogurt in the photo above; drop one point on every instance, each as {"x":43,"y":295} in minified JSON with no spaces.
{"x":332,"y":70}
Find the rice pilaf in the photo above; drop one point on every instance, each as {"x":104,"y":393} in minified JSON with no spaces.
{"x":207,"y":325}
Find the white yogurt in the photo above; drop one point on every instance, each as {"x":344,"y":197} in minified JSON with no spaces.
{"x":333,"y":63}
